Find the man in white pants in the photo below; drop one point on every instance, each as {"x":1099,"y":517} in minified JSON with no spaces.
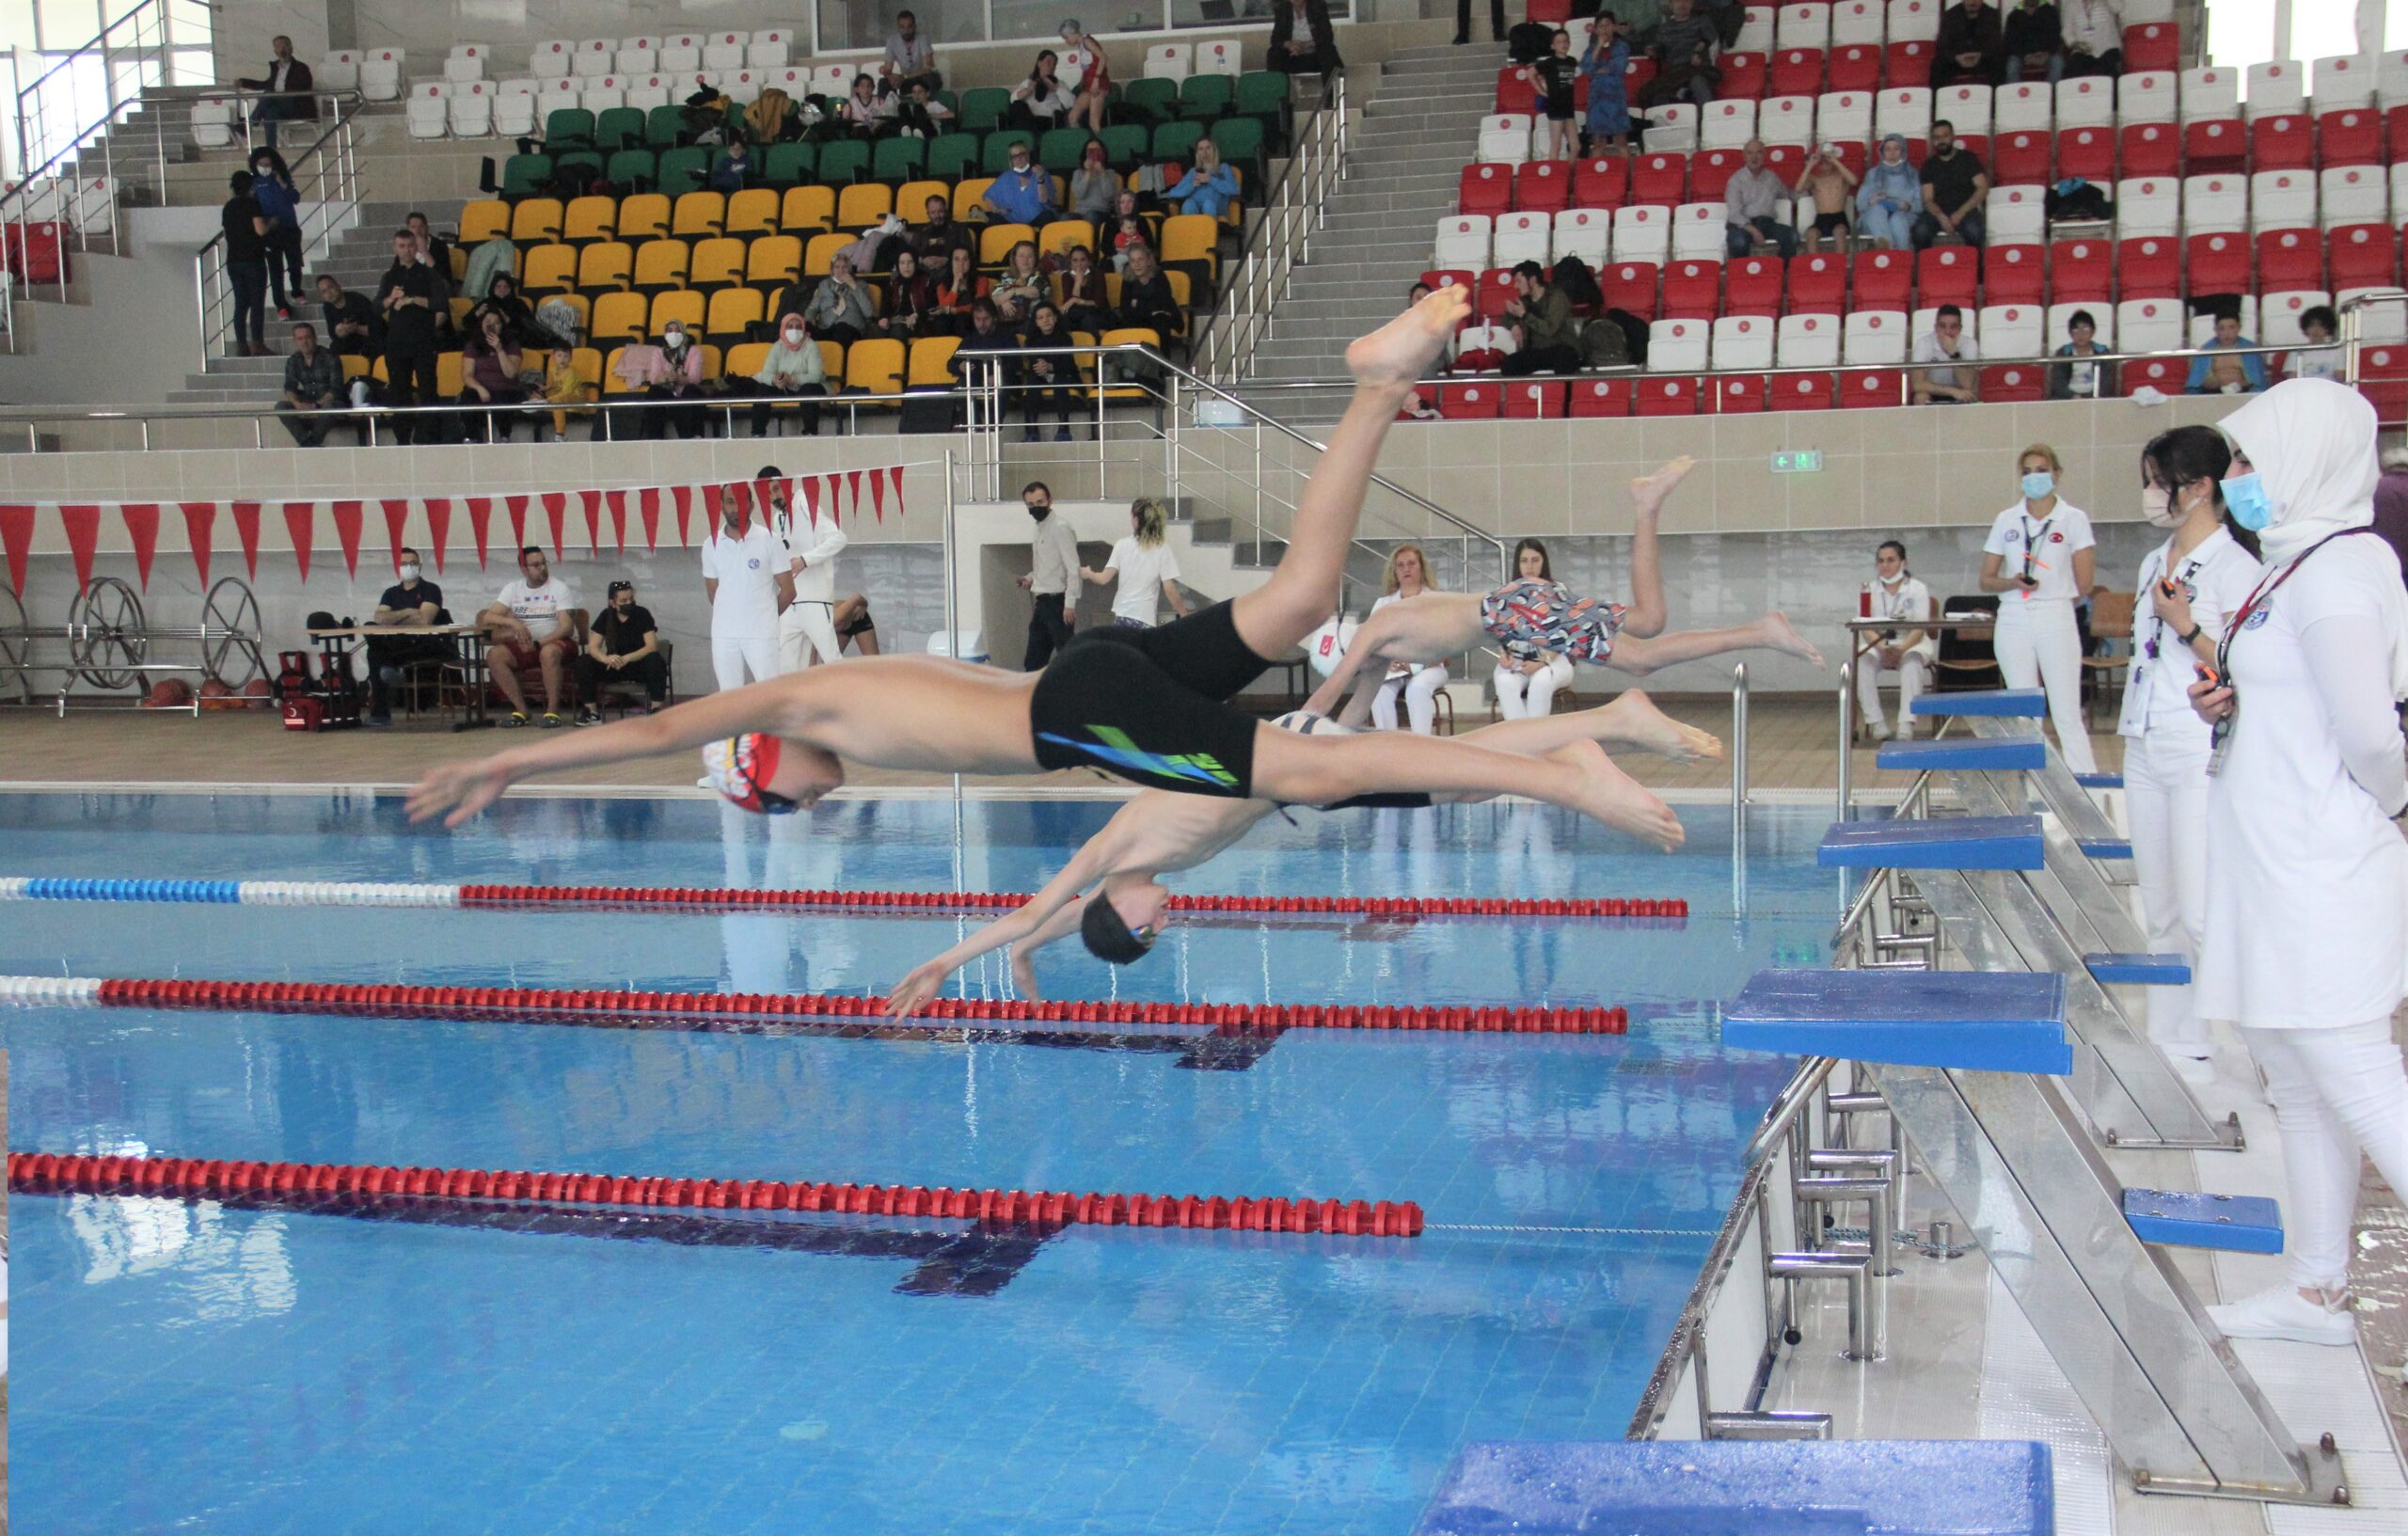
{"x":808,"y":623}
{"x":744,"y":575}
{"x":1905,"y":653}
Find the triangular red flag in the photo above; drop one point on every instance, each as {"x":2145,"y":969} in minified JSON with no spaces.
{"x":201,"y":521}
{"x":517,"y":505}
{"x":556,"y":509}
{"x":877,"y":493}
{"x":853,"y":480}
{"x":897,"y":475}
{"x":592,"y":500}
{"x":684,"y":497}
{"x":794,"y":496}
{"x":397,"y":516}
{"x":247,"y":527}
{"x":618,"y":500}
{"x":17,"y":534}
{"x":347,"y":529}
{"x":438,"y":528}
{"x":301,"y":521}
{"x":83,"y":536}
{"x":710,"y":505}
{"x":811,"y":498}
{"x":142,"y":527}
{"x":648,"y":506}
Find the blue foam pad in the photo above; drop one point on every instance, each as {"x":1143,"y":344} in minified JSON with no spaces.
{"x":2237,"y":1222}
{"x":2099,"y":781}
{"x":2019,"y":702}
{"x":2140,"y":970}
{"x":1980,"y":1021}
{"x":1940,"y":842}
{"x":2105,"y":847}
{"x":1746,"y":1488}
{"x":1971,"y":754}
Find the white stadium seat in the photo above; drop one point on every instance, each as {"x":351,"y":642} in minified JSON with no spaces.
{"x":2102,"y":315}
{"x":646,"y":91}
{"x":2214,"y":204}
{"x":1463,"y":241}
{"x":1505,"y":138}
{"x":2087,"y":102}
{"x":2009,"y":330}
{"x":772,"y":48}
{"x":1969,"y":107}
{"x":681,"y":54}
{"x":1677,"y":346}
{"x":472,"y":110}
{"x":550,"y":58}
{"x":2277,"y":197}
{"x":831,"y":80}
{"x":1643,"y":233}
{"x":2352,"y":194}
{"x":429,"y":114}
{"x":1805,"y":26}
{"x":513,"y":114}
{"x":2211,"y":93}
{"x":212,"y":122}
{"x":726,"y":50}
{"x":1585,"y":233}
{"x":2275,"y":87}
{"x":1672,"y":127}
{"x":1744,"y":341}
{"x":2377,"y":322}
{"x":1698,"y":232}
{"x":637,"y":55}
{"x":1914,"y":21}
{"x":1807,"y":341}
{"x":2156,"y":325}
{"x":2028,"y":105}
{"x":1226,"y":56}
{"x":1786,"y":120}
{"x":2018,"y":216}
{"x":2278,"y":314}
{"x":1846,"y":116}
{"x":380,"y":74}
{"x":605,"y":95}
{"x":1169,"y":61}
{"x":2399,"y":191}
{"x":1903,"y":109}
{"x":1870,"y":338}
{"x":2391,"y":79}
{"x":2346,"y":80}
{"x":1755,"y":30}
{"x":1726,"y":124}
{"x":595,"y":57}
{"x":1521,"y":237}
{"x":2148,"y":205}
{"x":340,"y":71}
{"x":1858,"y":22}
{"x":467,"y":63}
{"x":2147,"y":96}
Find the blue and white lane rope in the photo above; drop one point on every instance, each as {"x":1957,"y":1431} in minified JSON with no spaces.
{"x":231,"y":893}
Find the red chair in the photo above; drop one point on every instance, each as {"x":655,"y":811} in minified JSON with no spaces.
{"x":1536,"y":400}
{"x":1638,"y":76}
{"x":1600,"y":397}
{"x":2147,"y":267}
{"x":1515,"y":92}
{"x":1743,"y":77}
{"x":1660,"y":178}
{"x":1856,"y":66}
{"x":1494,"y":292}
{"x":2021,"y":158}
{"x":1427,"y":394}
{"x":1486,"y":190}
{"x":1798,"y":72}
{"x":1786,"y":161}
{"x":1658,"y":396}
{"x":1553,"y":12}
{"x":1469,"y":402}
{"x":2290,"y":260}
{"x":1544,"y":186}
{"x":2082,"y":272}
{"x":2215,"y":146}
{"x":1948,"y":275}
{"x":1630,"y":286}
{"x":1450,"y":278}
{"x":1978,"y":145}
{"x":2012,"y":382}
{"x":2382,"y":378}
{"x":2015,"y":274}
{"x":2362,"y":255}
{"x":1883,"y":280}
{"x":2216,"y":263}
{"x":1692,"y":290}
{"x":2152,"y":45}
{"x":1710,"y":173}
{"x":1817,"y":285}
{"x":1867,"y":388}
{"x":2351,"y":137}
{"x":1752,"y":286}
{"x":2086,"y":152}
{"x":1738,"y":394}
{"x":2284,"y":142}
{"x":2394,"y":126}
{"x":1909,"y":64}
{"x":1601,"y":183}
{"x":2167,"y":375}
{"x":1800,"y":393}
{"x":2151,"y":148}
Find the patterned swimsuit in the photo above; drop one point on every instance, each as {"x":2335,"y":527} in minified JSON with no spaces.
{"x":1543,"y":616}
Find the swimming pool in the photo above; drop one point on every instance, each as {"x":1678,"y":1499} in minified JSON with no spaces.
{"x":237,"y":1366}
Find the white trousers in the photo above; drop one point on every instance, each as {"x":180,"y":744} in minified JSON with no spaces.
{"x":2165,"y":797}
{"x":2038,"y":647}
{"x":732,"y":656}
{"x":1531,"y":696}
{"x":2337,"y":1092}
{"x":803,"y":627}
{"x":1420,"y":700}
{"x":1914,"y":677}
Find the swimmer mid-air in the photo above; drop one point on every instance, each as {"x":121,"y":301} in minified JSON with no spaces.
{"x":1156,"y":834}
{"x":1546,"y":616}
{"x":1151,"y":706}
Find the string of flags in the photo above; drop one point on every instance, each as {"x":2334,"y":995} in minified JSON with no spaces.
{"x":840,"y":496}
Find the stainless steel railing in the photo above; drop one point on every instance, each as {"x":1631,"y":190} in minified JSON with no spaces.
{"x":1280,"y":242}
{"x":327,"y":176}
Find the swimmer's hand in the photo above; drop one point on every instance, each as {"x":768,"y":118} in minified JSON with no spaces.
{"x":917,"y":988}
{"x":1024,"y":976}
{"x":462,"y":789}
{"x":2210,"y":699}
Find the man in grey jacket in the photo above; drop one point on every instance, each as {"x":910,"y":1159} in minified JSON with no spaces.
{"x":1053,"y":577}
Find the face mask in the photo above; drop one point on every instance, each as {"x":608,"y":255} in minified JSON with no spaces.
{"x":794,"y":339}
{"x":2158,"y":508}
{"x":2038,"y":483}
{"x":1040,"y":513}
{"x":409,"y":573}
{"x":2252,"y":508}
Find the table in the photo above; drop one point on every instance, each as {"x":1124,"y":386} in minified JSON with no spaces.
{"x":468,"y":642}
{"x":1868,"y":631}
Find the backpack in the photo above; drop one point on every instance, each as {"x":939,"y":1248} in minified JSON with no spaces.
{"x":2077,"y":199}
{"x":1634,"y":334}
{"x":1604,"y":345}
{"x":1529,"y":42}
{"x":1578,"y":284}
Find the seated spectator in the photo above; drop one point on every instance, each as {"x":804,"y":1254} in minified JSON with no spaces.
{"x":2094,"y":34}
{"x":534,"y":626}
{"x":1046,"y":384}
{"x":567,"y":389}
{"x":1041,"y":100}
{"x":1209,"y":185}
{"x":1972,"y":49}
{"x":981,"y":362}
{"x":1550,"y":341}
{"x":354,"y":328}
{"x":1146,"y":300}
{"x":503,"y":301}
{"x":841,"y":309}
{"x":910,"y":59}
{"x":959,"y":287}
{"x":2077,"y":379}
{"x":1832,"y":185}
{"x":433,"y":248}
{"x":1085,"y":69}
{"x":2321,"y":358}
{"x":2033,"y":43}
{"x":793,"y":370}
{"x":1303,"y":42}
{"x":1907,"y":653}
{"x":912,"y":309}
{"x":940,"y":237}
{"x":312,"y":388}
{"x":859,"y":116}
{"x":623,"y":643}
{"x":1954,"y":189}
{"x":2231,"y":373}
{"x":1128,"y":230}
{"x":489,"y":376}
{"x":1757,"y":217}
{"x":920,"y":113}
{"x":1095,"y":186}
{"x":410,"y":603}
{"x":1024,"y":194}
{"x":1683,"y":47}
{"x":1945,"y":383}
{"x":285,"y":93}
{"x":1083,"y":293}
{"x":733,"y":172}
{"x":1890,"y":197}
{"x":1021,"y":289}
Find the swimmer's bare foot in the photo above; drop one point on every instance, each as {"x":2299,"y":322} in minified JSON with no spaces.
{"x":1618,"y":799}
{"x":1782,"y":636}
{"x":1649,"y":493}
{"x":1401,"y":351}
{"x":1636,"y":721}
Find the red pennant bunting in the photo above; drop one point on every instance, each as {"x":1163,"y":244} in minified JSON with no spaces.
{"x":853,"y":482}
{"x":592,"y":500}
{"x":877,"y":493}
{"x":397,"y":516}
{"x":438,"y":529}
{"x":684,"y":497}
{"x":618,"y":500}
{"x":811,"y":498}
{"x":517,"y":505}
{"x":247,"y":527}
{"x":348,"y":522}
{"x":895,"y":474}
{"x":301,"y":521}
{"x":17,"y":534}
{"x":648,"y":505}
{"x":710,"y":505}
{"x":556,"y":509}
{"x":787,"y":486}
{"x":201,"y":521}
{"x":142,"y":527}
{"x":83,"y":536}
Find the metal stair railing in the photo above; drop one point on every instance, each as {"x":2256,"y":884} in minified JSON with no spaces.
{"x":1281,"y":241}
{"x":328,"y":175}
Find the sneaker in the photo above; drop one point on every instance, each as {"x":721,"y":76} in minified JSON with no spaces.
{"x":514,"y":720}
{"x":2282,"y":1312}
{"x":589,"y":716}
{"x":552,"y":721}
{"x":1061,"y":435}
{"x":1878,"y":731}
{"x":1028,"y":435}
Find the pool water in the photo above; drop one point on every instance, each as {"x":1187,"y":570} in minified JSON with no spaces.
{"x":187,"y":1365}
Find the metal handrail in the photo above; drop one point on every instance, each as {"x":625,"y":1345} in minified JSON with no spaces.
{"x":332,"y":174}
{"x":1280,"y":242}
{"x":2353,"y":328}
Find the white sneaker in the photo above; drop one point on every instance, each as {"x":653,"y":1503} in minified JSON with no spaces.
{"x":2282,"y":1312}
{"x":1878,"y":731}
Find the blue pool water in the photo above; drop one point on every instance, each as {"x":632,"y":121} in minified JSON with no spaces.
{"x":197,"y":1366}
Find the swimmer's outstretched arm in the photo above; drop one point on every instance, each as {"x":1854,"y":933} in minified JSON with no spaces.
{"x":1060,"y":895}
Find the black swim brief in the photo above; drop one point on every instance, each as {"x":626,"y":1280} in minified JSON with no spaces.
{"x":1151,"y":705}
{"x":1831,"y":223}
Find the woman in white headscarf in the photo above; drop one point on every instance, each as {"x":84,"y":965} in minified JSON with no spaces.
{"x":2306,"y":941}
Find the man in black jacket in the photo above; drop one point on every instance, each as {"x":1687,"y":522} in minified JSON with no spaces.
{"x":288,"y":82}
{"x":408,"y":293}
{"x":1302,"y":39}
{"x":354,"y":328}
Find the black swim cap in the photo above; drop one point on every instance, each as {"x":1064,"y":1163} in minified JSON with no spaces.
{"x":1108,"y":937}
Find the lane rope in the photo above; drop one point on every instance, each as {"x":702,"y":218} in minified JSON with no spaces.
{"x":455,"y":1002}
{"x":381,"y":893}
{"x":45,"y":1173}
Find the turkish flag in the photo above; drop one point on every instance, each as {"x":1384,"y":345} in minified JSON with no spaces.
{"x":201,"y":521}
{"x":710,"y":505}
{"x":895,"y":475}
{"x":347,"y":529}
{"x":480,"y":515}
{"x":83,"y":536}
{"x":247,"y":527}
{"x":301,"y":520}
{"x":142,"y":527}
{"x":811,"y":498}
{"x":17,"y":535}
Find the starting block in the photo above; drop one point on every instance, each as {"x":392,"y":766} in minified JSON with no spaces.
{"x":2010,"y":842}
{"x":1995,"y":1021}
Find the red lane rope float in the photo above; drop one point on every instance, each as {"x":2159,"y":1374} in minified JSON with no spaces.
{"x":45,"y":1173}
{"x":444,"y":1002}
{"x":662,"y":896}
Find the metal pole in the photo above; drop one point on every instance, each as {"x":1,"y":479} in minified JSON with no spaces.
{"x":1848,"y":733}
{"x":1739,"y":749}
{"x":952,"y":600}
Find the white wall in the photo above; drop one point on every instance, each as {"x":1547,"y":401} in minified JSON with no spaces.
{"x":133,"y":332}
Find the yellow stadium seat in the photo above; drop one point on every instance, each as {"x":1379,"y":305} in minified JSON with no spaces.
{"x":461,"y":306}
{"x":746,"y":358}
{"x":996,"y":241}
{"x":447,"y":375}
{"x":911,"y":199}
{"x":932,"y":362}
{"x":1057,"y":238}
{"x":710,"y":364}
{"x":618,"y":317}
{"x":863,"y":204}
{"x":552,"y":268}
{"x":1193,"y":239}
{"x":1125,"y":337}
{"x":535,"y":220}
{"x":831,"y":358}
{"x":378,"y":374}
{"x":807,"y":208}
{"x":611,"y":382}
{"x":579,"y":302}
{"x":483,"y":220}
{"x":773,"y":259}
{"x":644,"y":216}
{"x":355,"y":366}
{"x":591,"y":219}
{"x":753,"y":211}
{"x":660,"y":263}
{"x":700,"y":214}
{"x":966,"y":194}
{"x":732,"y":309}
{"x":822,"y":248}
{"x":588,"y":363}
{"x":460,"y":260}
{"x":718,"y":262}
{"x":874,"y":365}
{"x":607,"y":267}
{"x":677,"y":304}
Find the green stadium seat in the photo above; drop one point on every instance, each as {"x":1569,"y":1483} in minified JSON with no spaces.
{"x":789,"y":164}
{"x":568,"y":128}
{"x":1204,"y":97}
{"x":899,"y":159}
{"x":1263,"y":95}
{"x":1125,"y":144}
{"x":843,"y":163}
{"x":1060,"y":149}
{"x":634,"y":170}
{"x":618,"y":128}
{"x":982,"y":110}
{"x":953,"y":156}
{"x":1176,"y":141}
{"x":663,"y":126}
{"x":1150,"y":100}
{"x":587,"y":158}
{"x":524,"y":175}
{"x":684,"y":171}
{"x":996,"y":156}
{"x":1241,"y":141}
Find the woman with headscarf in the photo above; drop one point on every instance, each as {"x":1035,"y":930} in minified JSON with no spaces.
{"x":1892,"y":196}
{"x":2306,"y":942}
{"x":2039,"y":558}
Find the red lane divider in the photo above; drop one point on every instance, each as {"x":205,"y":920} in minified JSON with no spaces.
{"x":43,"y":1172}
{"x":442,"y":1002}
{"x":664,"y":895}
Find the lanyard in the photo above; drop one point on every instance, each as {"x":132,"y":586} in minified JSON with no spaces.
{"x":2158,"y":633}
{"x":2032,"y":543}
{"x":2262,"y":593}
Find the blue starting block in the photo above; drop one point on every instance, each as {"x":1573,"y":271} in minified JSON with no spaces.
{"x":1942,"y":843}
{"x":1980,"y":1021}
{"x":2014,"y":702}
{"x":1746,"y":1488}
{"x":2139,"y":970}
{"x":2105,"y":847}
{"x":2236,"y":1223}
{"x":1967,"y":754}
{"x":2099,"y":781}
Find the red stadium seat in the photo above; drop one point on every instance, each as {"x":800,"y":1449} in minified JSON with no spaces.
{"x":1544,"y":186}
{"x":1656,"y":395}
{"x":2284,"y":142}
{"x":2147,"y":267}
{"x":1856,"y":66}
{"x":1883,"y":280}
{"x":2382,"y":378}
{"x":1536,"y":400}
{"x":2082,"y":272}
{"x":2363,"y":256}
{"x":1660,"y":179}
{"x":2086,"y":152}
{"x":1752,"y":286}
{"x":1692,"y":290}
{"x":1864,"y":388}
{"x":1978,"y":145}
{"x":1602,"y":182}
{"x":2216,"y":263}
{"x":2214,"y":146}
{"x":1948,"y":275}
{"x":1630,"y":286}
{"x":1553,"y":12}
{"x":1515,"y":92}
{"x":1495,"y":291}
{"x":2011,"y":382}
{"x":2351,"y":137}
{"x":1639,"y":74}
{"x":1738,"y":394}
{"x":1817,"y":285}
{"x":1601,"y":397}
{"x":1450,"y":278}
{"x":2015,"y":274}
{"x":1786,"y":161}
{"x":2394,"y":126}
{"x":2021,"y":159}
{"x":1427,"y":394}
{"x":1710,"y":173}
{"x":2167,"y":375}
{"x":1796,"y":71}
{"x":1800,"y":393}
{"x":2290,"y":260}
{"x":2152,"y":45}
{"x":1469,"y":402}
{"x":2151,"y":148}
{"x":1743,"y":77}
{"x":1486,"y":190}
{"x":1909,"y":63}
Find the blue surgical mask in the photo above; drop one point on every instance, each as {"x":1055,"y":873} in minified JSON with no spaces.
{"x":2038,"y":483}
{"x":2246,"y":495}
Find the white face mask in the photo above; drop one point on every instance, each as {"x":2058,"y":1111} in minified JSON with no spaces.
{"x":794,"y":338}
{"x":2157,"y":505}
{"x":409,"y":573}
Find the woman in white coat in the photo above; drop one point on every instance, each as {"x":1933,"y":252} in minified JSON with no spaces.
{"x":1408,"y":576}
{"x":2307,"y":894}
{"x":1528,"y":679}
{"x":2190,"y":587}
{"x":809,"y":622}
{"x":2039,"y":555}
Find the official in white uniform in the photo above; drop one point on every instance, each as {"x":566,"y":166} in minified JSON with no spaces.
{"x":1408,"y":575}
{"x":2166,"y":742}
{"x":2039,"y":555}
{"x":809,"y":622}
{"x":744,"y":577}
{"x":2306,"y":946}
{"x":1906,"y":652}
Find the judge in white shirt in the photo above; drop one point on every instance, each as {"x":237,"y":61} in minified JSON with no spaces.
{"x":808,"y":624}
{"x":1408,"y":575}
{"x":745,"y":579}
{"x":1906,"y":652}
{"x":2039,"y":556}
{"x":1144,"y":567}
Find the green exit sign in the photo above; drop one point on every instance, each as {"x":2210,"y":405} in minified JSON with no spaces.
{"x":1803,"y":461}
